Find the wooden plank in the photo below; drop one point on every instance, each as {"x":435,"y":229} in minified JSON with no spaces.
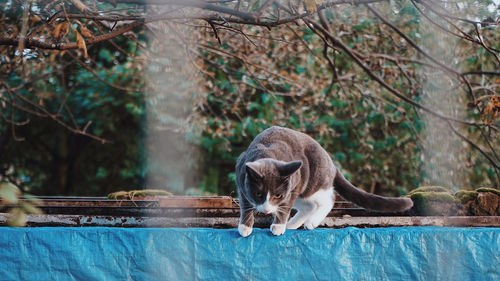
{"x":181,"y":211}
{"x":154,"y":201}
{"x":174,"y":206}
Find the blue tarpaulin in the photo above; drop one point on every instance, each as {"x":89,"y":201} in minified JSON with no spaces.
{"x":395,"y":253}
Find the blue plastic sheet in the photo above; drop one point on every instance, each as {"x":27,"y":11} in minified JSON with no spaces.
{"x":100,"y":253}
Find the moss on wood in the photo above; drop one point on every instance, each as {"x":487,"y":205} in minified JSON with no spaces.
{"x":435,"y":203}
{"x":466,"y":195}
{"x":489,"y":189}
{"x":430,"y":188}
{"x":127,"y":195}
{"x":437,"y":200}
{"x":444,"y":197}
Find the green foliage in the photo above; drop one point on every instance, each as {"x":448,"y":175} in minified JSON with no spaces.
{"x":53,"y":160}
{"x":283,"y":80}
{"x":373,"y":142}
{"x":371,"y":136}
{"x":9,"y":193}
{"x":10,"y":196}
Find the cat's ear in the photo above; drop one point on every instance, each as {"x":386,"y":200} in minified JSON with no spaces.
{"x":289,"y":168}
{"x":253,"y":169}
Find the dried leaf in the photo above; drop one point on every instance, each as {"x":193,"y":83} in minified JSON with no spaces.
{"x":491,"y":110}
{"x":52,"y":56}
{"x":85,"y":31}
{"x":35,"y":18}
{"x":81,"y":44}
{"x":495,"y":101}
{"x":60,"y":31}
{"x":311,"y":5}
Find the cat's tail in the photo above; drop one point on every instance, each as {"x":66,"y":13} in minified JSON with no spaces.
{"x":369,"y":200}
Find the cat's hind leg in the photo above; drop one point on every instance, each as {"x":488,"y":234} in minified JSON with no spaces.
{"x":304,"y":210}
{"x":323,"y":199}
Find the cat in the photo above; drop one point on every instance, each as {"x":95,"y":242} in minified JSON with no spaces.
{"x":284,"y":169}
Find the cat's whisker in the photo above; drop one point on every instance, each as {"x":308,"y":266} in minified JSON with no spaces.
{"x":281,"y":210}
{"x":247,"y":215}
{"x":248,"y":209}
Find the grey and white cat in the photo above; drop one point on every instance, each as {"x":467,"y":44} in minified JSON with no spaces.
{"x":284,"y":169}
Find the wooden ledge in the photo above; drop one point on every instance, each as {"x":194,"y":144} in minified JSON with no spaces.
{"x":212,"y":211}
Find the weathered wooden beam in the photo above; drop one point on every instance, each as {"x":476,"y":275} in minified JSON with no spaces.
{"x":181,"y":211}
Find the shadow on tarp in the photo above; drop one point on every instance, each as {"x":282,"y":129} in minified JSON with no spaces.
{"x":395,"y":253}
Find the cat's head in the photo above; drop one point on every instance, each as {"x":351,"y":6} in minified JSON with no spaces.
{"x":268,"y":183}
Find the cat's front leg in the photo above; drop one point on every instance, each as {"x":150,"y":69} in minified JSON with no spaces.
{"x":246,"y":221}
{"x":280,"y":218}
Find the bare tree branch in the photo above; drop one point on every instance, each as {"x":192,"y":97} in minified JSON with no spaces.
{"x":393,"y":91}
{"x":42,"y":112}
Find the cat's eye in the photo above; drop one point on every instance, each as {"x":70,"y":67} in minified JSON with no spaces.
{"x":278,"y":196}
{"x":258,"y":194}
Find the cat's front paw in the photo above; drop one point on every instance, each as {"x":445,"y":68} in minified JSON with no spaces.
{"x":244,"y":230}
{"x":278,"y":229}
{"x":310,"y":225}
